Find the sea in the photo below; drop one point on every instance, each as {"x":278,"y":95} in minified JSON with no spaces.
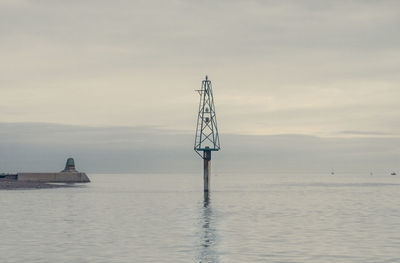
{"x":167,"y":218}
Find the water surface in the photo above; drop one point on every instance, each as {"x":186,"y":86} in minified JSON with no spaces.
{"x":164,"y":218}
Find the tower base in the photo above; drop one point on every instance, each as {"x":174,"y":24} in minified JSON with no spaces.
{"x":207,"y":169}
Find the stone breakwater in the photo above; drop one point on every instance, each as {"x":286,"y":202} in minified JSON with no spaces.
{"x":44,"y":180}
{"x":62,"y":177}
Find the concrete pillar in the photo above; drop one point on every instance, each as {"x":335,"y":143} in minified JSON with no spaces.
{"x":207,"y":170}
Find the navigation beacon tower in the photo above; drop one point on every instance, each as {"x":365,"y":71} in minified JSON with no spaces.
{"x":207,"y":139}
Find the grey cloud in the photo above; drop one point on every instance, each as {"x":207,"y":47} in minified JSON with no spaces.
{"x":102,"y":52}
{"x":364,"y":133}
{"x":218,"y":28}
{"x":36,"y":147}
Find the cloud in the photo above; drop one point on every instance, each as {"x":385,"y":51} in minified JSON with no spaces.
{"x":370,"y":133}
{"x":45,"y":147}
{"x":307,"y":67}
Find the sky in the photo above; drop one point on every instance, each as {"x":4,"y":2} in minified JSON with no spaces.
{"x":319,"y":76}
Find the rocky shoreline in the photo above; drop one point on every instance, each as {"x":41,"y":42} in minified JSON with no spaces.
{"x":15,"y":185}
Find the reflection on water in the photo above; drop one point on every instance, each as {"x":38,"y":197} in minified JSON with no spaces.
{"x":207,"y":250}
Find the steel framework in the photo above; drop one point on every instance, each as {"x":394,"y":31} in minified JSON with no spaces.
{"x":207,"y":138}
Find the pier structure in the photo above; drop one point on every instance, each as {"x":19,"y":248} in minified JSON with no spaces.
{"x":207,"y":138}
{"x":68,"y":175}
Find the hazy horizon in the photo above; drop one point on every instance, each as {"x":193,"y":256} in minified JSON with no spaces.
{"x":45,"y":147}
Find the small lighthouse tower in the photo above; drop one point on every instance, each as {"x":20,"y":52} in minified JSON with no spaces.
{"x":207,"y":139}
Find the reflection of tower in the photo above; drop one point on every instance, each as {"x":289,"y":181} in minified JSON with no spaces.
{"x":207,"y":139}
{"x":207,"y":251}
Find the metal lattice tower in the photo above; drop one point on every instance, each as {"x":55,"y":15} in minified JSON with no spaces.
{"x":207,"y":138}
{"x":206,"y":131}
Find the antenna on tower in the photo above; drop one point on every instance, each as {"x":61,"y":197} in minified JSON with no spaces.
{"x":207,"y":138}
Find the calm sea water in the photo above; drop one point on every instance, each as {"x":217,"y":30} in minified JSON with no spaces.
{"x":163,"y":218}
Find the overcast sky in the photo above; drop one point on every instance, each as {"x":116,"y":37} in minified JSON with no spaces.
{"x":45,"y":147}
{"x":328,"y":69}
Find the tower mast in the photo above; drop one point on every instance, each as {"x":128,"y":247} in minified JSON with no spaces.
{"x":207,"y":138}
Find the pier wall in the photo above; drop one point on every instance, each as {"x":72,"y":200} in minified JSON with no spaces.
{"x":63,"y":177}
